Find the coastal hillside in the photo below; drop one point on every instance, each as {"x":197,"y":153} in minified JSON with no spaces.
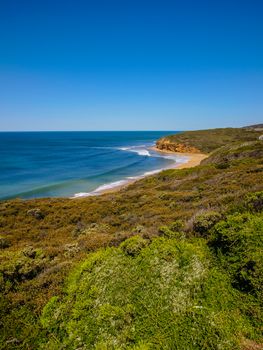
{"x":173,"y":261}
{"x":256,"y":127}
{"x":206,"y":141}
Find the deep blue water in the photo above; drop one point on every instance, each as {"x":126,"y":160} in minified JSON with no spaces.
{"x":56,"y":164}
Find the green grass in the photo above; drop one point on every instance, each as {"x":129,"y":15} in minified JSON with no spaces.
{"x":212,"y":213}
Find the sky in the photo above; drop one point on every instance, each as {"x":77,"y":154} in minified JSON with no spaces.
{"x":130,"y":65}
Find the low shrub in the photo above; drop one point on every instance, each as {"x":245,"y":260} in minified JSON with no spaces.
{"x":254,"y":201}
{"x":24,"y":266}
{"x":203,"y":222}
{"x":164,"y":297}
{"x":175,"y":230}
{"x":238,"y":242}
{"x":133,"y":245}
{"x":4,"y":242}
{"x":36,"y":213}
{"x":222,"y":165}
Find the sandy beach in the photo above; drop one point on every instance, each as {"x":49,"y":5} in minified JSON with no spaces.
{"x":194,"y":159}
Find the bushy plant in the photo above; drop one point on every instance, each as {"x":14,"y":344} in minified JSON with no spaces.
{"x":255,"y":201}
{"x":4,"y":242}
{"x":224,"y":164}
{"x":238,"y":241}
{"x":36,"y":213}
{"x":164,"y":297}
{"x":174,"y":230}
{"x":23,"y":266}
{"x":203,"y":222}
{"x":133,"y":245}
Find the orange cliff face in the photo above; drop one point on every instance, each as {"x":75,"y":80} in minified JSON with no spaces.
{"x":166,"y":145}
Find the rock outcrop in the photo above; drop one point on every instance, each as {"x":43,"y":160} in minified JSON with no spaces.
{"x":166,"y":145}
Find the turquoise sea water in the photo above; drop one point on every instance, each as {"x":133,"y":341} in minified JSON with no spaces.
{"x":66,"y":164}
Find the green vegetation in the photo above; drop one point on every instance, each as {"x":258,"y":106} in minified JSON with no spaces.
{"x":207,"y":141}
{"x":239,"y":244}
{"x":166,"y":296}
{"x":174,"y":261}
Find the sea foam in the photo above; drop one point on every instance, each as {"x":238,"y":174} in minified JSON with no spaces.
{"x":108,"y":186}
{"x":140,"y":150}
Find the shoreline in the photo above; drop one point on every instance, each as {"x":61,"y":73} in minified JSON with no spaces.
{"x":193,"y":159}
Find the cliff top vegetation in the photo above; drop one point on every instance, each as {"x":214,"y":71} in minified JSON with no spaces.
{"x":207,"y":141}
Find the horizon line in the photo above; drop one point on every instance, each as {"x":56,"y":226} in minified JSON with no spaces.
{"x":146,"y":130}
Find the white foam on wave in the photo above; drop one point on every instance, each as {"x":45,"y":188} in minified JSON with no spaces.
{"x":110,"y":185}
{"x":144,"y":150}
{"x":140,"y":150}
{"x":115,"y":184}
{"x":148,"y":173}
{"x":82,"y":194}
{"x":102,"y":188}
{"x":175,"y":158}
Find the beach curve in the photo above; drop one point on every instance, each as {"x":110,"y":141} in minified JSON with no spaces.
{"x":192,"y":160}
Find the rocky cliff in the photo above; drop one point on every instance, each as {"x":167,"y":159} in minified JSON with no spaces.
{"x":166,"y":145}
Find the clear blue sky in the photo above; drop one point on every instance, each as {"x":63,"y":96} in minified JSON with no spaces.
{"x":130,"y":65}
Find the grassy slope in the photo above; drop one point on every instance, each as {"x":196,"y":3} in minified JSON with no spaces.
{"x":207,"y":141}
{"x":41,"y":247}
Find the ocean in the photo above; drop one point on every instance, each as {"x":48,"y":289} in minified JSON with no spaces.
{"x":75,"y":164}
